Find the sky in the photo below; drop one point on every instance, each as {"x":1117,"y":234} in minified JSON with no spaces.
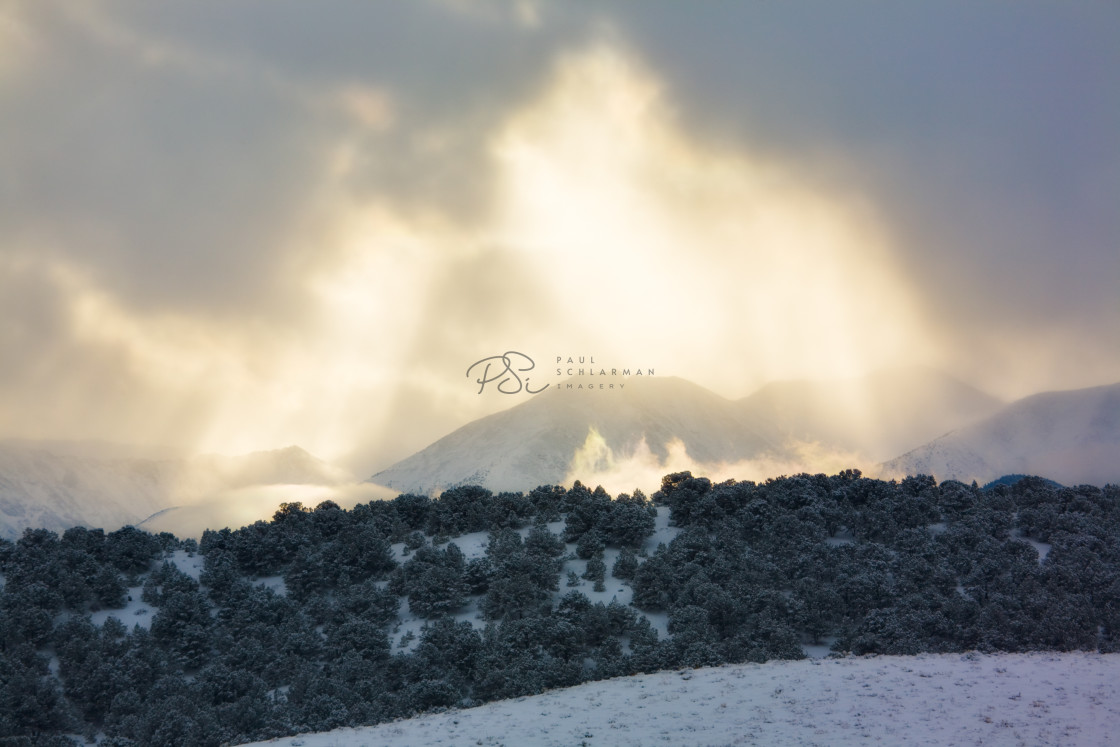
{"x":238,"y":226}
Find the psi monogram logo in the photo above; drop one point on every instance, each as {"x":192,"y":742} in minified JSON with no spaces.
{"x":506,"y":370}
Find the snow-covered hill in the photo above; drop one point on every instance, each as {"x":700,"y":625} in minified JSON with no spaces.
{"x":57,"y":487}
{"x":1072,"y":437}
{"x":880,"y":415}
{"x":535,"y":442}
{"x":1007,"y":699}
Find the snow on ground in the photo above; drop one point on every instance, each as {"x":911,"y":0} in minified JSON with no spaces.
{"x":135,"y":611}
{"x":842,"y":537}
{"x":276,"y":583}
{"x":405,"y":636}
{"x":188,"y":563}
{"x":1042,"y":548}
{"x":970,"y":699}
{"x":819,"y":650}
{"x":662,"y":532}
{"x":474,"y":545}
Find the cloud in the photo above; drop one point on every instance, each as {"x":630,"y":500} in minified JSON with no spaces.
{"x":988,"y":138}
{"x":17,"y":43}
{"x":341,"y":316}
{"x":526,"y":14}
{"x":684,"y":247}
{"x":639,"y":468}
{"x":241,"y":225}
{"x":243,"y":506}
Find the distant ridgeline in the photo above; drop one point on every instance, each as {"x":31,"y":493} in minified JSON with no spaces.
{"x":323,"y":618}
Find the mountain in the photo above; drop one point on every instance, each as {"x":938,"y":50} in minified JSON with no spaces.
{"x":56,"y":485}
{"x":880,"y":415}
{"x":535,"y":442}
{"x":1072,"y":437}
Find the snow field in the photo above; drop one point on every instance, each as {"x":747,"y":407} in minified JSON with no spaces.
{"x":971,"y":699}
{"x":135,"y":611}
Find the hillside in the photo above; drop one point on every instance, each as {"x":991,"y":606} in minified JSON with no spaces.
{"x":1072,"y":437}
{"x":1035,"y":699}
{"x":323,"y":618}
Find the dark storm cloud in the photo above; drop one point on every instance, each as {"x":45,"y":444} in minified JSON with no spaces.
{"x":168,"y":184}
{"x":173,"y":151}
{"x":445,"y":69}
{"x":988,"y":133}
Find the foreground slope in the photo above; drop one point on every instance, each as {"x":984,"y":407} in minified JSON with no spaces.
{"x":1028,"y":699}
{"x":533,"y":443}
{"x":1072,"y":437}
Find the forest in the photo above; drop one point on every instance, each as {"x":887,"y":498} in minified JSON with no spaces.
{"x":295,"y":624}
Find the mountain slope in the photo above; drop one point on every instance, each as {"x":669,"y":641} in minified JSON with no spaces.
{"x":880,"y":415}
{"x":1072,"y":437}
{"x":534,"y":442}
{"x":55,"y":488}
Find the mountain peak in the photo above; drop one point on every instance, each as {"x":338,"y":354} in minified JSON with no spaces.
{"x":536,"y":442}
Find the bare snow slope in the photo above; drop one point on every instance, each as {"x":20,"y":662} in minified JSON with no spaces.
{"x":879,"y":415}
{"x":534,"y":442}
{"x":53,"y":488}
{"x":1007,"y":699}
{"x":1072,"y":437}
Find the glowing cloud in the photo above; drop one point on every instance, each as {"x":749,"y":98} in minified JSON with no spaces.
{"x":609,"y":230}
{"x":687,"y":249}
{"x":596,"y":463}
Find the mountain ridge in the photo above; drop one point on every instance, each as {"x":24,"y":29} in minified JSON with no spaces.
{"x":55,"y":489}
{"x":1072,"y":436}
{"x":880,"y":415}
{"x":533,"y":443}
{"x":878,"y":422}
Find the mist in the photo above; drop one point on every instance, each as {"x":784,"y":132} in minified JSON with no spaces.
{"x":232,"y":228}
{"x":625,"y":470}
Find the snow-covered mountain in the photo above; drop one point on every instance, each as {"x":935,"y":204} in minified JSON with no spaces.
{"x":534,"y":442}
{"x":1072,"y":437}
{"x":858,"y":422}
{"x":57,"y":485}
{"x":879,"y":415}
